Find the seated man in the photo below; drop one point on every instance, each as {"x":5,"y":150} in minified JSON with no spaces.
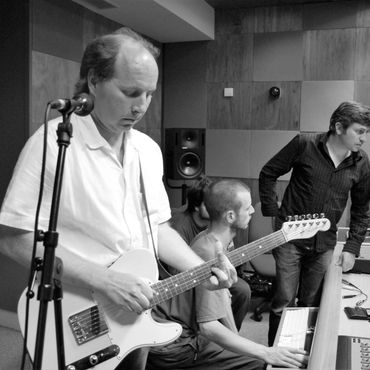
{"x":209,"y":338}
{"x":194,"y":219}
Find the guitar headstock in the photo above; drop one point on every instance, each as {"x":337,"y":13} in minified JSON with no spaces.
{"x":305,"y":226}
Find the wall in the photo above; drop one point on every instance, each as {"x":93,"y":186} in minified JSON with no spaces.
{"x":14,"y":115}
{"x":42,"y":44}
{"x":317,"y":54}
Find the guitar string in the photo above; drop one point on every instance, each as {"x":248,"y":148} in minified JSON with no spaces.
{"x":189,"y":281}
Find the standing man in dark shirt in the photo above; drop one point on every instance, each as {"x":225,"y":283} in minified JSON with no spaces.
{"x":194,"y":219}
{"x":326,"y":169}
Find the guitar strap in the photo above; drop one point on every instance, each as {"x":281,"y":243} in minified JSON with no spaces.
{"x":149,"y":223}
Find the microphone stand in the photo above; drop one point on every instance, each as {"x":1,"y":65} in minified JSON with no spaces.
{"x":52,"y":267}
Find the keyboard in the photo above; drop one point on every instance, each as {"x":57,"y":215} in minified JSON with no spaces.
{"x":294,"y":329}
{"x":353,"y":353}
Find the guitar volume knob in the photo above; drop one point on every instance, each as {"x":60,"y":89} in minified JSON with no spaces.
{"x":93,"y":360}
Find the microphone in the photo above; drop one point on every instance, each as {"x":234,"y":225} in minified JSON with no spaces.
{"x":81,"y":104}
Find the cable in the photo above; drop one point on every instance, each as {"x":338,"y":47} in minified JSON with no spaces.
{"x":36,"y":234}
{"x":355,"y":289}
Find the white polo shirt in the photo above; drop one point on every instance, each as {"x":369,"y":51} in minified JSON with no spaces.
{"x":101,"y":213}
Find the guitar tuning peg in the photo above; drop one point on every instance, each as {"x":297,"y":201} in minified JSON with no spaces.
{"x":322,"y":215}
{"x":315,"y":215}
{"x":308,"y":216}
{"x":302,"y":217}
{"x":296,"y":217}
{"x":288,"y":218}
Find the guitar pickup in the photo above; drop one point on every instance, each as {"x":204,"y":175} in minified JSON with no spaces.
{"x":94,"y":359}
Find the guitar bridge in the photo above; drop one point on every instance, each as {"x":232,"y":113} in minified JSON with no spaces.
{"x":88,"y":324}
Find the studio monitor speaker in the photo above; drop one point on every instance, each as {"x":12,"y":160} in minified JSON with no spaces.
{"x":184,"y":153}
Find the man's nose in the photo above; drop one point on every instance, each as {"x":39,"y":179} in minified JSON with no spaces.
{"x":141,"y":103}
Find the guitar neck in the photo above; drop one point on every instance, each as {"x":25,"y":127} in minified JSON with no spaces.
{"x":179,"y":283}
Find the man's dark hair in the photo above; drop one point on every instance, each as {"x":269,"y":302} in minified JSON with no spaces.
{"x":100,"y":56}
{"x":350,"y":112}
{"x":195,"y":193}
{"x":222,"y":196}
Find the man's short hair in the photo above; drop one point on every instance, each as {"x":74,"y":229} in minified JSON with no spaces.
{"x":222,"y":196}
{"x":195,"y":193}
{"x":101,"y":54}
{"x":350,"y":112}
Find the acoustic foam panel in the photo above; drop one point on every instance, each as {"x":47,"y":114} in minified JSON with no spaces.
{"x":319,"y":99}
{"x":227,"y":153}
{"x":362,"y":92}
{"x":264,"y":145}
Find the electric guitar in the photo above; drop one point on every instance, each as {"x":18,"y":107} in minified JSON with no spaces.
{"x":97,"y":333}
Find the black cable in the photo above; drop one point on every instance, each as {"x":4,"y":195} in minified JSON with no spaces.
{"x":29,"y":295}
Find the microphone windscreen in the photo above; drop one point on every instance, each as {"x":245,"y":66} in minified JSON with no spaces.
{"x":86,"y":104}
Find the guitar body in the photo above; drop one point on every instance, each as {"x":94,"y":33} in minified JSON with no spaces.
{"x":124,"y":329}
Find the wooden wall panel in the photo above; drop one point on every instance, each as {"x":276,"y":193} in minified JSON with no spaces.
{"x":362,"y":60}
{"x":329,"y":54}
{"x":278,"y":56}
{"x":95,"y":25}
{"x":276,"y":114}
{"x":341,"y":14}
{"x":234,"y":21}
{"x":229,"y":58}
{"x":57,"y":28}
{"x":185,"y":94}
{"x":185,"y":106}
{"x":320,"y":99}
{"x":52,"y":78}
{"x":278,"y":18}
{"x":229,"y":112}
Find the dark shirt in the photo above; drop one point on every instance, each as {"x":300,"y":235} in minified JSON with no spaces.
{"x":183,"y":222}
{"x":316,"y":186}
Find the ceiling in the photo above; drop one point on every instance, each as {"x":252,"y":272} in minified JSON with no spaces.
{"x":161,"y":20}
{"x":174,"y":20}
{"x":230,"y":4}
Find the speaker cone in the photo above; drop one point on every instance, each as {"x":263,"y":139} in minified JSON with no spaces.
{"x":190,"y":165}
{"x":190,"y":139}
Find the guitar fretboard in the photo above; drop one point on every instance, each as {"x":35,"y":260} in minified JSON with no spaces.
{"x":179,"y":283}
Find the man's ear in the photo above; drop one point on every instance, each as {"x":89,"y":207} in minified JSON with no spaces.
{"x":339,"y":130}
{"x":91,"y":81}
{"x":230,"y":216}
